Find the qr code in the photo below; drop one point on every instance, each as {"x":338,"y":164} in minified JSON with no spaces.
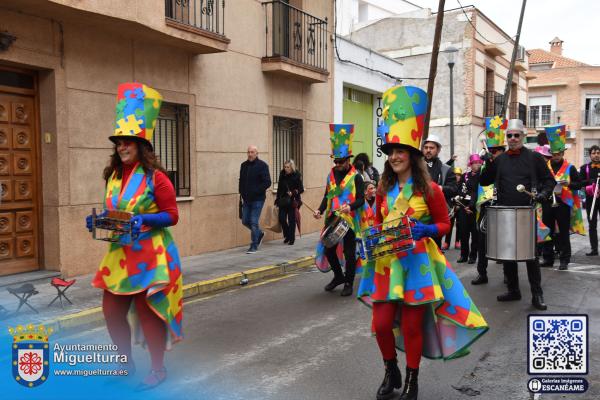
{"x":557,"y":344}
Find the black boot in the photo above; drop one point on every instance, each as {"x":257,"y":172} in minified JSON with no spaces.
{"x":538,"y":302}
{"x":510,"y":296}
{"x":411,"y":384}
{"x":480,"y":280}
{"x":594,"y":252}
{"x":347,"y":290}
{"x":335,"y":282}
{"x":392,"y":380}
{"x":461,"y":260}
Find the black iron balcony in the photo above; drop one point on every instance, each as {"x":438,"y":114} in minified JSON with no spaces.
{"x":295,"y":42}
{"x":493,"y":103}
{"x":206,"y":15}
{"x":591,"y":117}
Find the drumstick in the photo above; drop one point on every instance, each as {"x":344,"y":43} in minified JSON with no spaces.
{"x":521,"y":189}
{"x":309,"y":207}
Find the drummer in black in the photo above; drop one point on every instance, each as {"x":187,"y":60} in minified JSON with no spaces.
{"x":589,"y":175}
{"x":467,"y":214}
{"x":519,"y":165}
{"x":344,"y":195}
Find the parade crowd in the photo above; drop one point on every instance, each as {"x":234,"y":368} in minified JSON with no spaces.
{"x":418,"y":303}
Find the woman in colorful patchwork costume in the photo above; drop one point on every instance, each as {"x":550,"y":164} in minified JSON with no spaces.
{"x":344,"y":196}
{"x":147,"y":272}
{"x":415,"y":290}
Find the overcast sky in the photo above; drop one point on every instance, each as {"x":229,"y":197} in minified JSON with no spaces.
{"x":573,"y":21}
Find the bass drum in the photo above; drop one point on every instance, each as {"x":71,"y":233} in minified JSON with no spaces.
{"x":511,"y":233}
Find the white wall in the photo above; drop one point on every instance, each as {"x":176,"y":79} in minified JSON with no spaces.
{"x":352,"y":12}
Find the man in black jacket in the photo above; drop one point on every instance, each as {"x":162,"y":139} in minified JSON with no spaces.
{"x":589,"y":174}
{"x":517,"y":166}
{"x":440,"y":173}
{"x":254,"y":182}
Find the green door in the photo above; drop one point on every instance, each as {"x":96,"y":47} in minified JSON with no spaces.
{"x":358,"y":110}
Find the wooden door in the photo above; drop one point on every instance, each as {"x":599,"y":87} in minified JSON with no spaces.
{"x":19,"y":246}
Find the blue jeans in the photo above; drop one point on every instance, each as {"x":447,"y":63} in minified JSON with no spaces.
{"x":250,"y":214}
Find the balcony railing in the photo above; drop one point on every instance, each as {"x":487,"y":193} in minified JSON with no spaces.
{"x":295,"y":35}
{"x":591,"y":117}
{"x":207,"y":15}
{"x":493,"y":103}
{"x":538,"y":120}
{"x":518,"y":110}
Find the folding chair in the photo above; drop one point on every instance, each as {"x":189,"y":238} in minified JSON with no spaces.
{"x":61,"y":287}
{"x":23,"y":293}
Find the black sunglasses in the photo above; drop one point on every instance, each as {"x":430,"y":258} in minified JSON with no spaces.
{"x":511,"y":135}
{"x":339,"y":161}
{"x":495,"y":150}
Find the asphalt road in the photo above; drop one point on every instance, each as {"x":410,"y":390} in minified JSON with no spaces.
{"x":288,"y":339}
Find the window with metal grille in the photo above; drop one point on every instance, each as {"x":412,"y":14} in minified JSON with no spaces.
{"x":539,"y":115}
{"x":287,"y":144}
{"x":172,"y":145}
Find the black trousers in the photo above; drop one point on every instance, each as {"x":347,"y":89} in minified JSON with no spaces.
{"x":561,"y":216}
{"x":448,"y":237}
{"x":468,"y":229}
{"x":533,"y":274}
{"x":349,"y":255}
{"x":482,"y":260}
{"x":593,"y":220}
{"x":287,"y":219}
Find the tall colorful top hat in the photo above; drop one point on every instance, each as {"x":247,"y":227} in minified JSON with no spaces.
{"x":137,"y":109}
{"x":557,"y":137}
{"x":495,"y":128}
{"x":341,"y":136}
{"x":404,"y":109}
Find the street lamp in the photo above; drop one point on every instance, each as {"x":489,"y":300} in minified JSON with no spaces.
{"x":451,"y":57}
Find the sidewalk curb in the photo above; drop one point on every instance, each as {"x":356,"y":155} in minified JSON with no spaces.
{"x":93,"y":317}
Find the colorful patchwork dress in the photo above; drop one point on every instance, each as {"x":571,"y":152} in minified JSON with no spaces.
{"x":569,"y":198}
{"x":345,"y":193}
{"x":423,"y":276}
{"x":151,"y":263}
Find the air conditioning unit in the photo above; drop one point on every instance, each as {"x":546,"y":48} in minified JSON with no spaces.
{"x":521,"y":53}
{"x":571,"y":134}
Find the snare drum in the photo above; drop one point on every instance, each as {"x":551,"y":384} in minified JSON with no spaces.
{"x":334,"y":232}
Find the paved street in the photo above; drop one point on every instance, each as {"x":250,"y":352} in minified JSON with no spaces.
{"x":288,"y":339}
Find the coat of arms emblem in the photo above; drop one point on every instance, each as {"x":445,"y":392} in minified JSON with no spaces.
{"x":30,"y":354}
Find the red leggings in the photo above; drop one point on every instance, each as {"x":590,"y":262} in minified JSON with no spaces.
{"x":116,"y":307}
{"x":412,"y":329}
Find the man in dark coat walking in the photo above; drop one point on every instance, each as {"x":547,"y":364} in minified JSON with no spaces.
{"x":254,"y":182}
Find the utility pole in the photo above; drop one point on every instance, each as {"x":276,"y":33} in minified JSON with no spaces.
{"x":439,"y":22}
{"x":512,"y":62}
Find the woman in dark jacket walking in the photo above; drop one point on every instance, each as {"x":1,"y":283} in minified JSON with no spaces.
{"x":288,"y":199}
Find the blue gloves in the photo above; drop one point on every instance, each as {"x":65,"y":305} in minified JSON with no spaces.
{"x":158,"y":220}
{"x":88,"y":220}
{"x":420,"y":230}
